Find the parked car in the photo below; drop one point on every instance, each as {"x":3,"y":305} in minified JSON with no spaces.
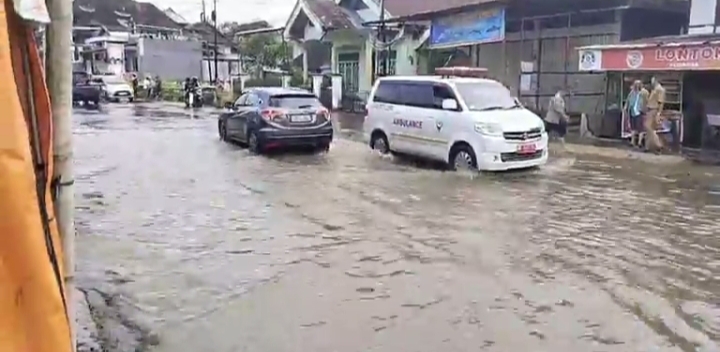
{"x":115,"y":88}
{"x":469,"y":123}
{"x":84,"y":90}
{"x":267,"y":118}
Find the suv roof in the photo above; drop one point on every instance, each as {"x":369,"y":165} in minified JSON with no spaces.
{"x":436,"y":79}
{"x":280,"y":90}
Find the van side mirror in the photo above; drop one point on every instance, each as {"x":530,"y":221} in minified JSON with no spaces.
{"x":449,"y":104}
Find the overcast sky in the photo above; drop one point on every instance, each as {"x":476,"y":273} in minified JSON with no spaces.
{"x":274,"y":11}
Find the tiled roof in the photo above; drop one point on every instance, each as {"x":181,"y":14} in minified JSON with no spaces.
{"x":330,"y":14}
{"x":115,"y":14}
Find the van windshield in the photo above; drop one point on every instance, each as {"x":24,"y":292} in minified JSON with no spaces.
{"x":486,"y":96}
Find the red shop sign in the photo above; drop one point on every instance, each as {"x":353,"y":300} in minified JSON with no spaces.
{"x":695,"y":57}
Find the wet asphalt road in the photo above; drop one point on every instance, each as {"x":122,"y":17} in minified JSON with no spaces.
{"x":349,"y":251}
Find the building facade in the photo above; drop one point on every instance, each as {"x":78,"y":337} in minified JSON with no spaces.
{"x":334,"y":36}
{"x":124,"y":36}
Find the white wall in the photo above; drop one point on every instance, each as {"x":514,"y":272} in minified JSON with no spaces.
{"x":406,"y":61}
{"x":116,"y":51}
{"x":312,"y":33}
{"x":702,"y":13}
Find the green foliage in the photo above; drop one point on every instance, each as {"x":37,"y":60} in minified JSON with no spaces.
{"x":269,"y":81}
{"x":172,"y":91}
{"x":262,"y":51}
{"x":297,"y":79}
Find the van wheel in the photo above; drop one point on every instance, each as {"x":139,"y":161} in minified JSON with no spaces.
{"x":462,"y":157}
{"x":379,"y":143}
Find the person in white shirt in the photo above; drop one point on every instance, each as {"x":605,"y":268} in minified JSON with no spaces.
{"x":148,"y":86}
{"x":556,"y":119}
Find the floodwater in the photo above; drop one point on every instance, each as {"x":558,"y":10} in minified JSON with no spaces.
{"x":221,"y":250}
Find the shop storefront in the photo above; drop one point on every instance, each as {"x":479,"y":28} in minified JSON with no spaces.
{"x":688,"y":67}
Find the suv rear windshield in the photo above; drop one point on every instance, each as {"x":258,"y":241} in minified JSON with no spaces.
{"x":486,"y":95}
{"x":299,"y":101}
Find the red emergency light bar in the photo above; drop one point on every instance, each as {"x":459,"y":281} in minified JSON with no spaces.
{"x":460,"y":71}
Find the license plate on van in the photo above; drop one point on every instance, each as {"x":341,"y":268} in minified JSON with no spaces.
{"x":526,"y":148}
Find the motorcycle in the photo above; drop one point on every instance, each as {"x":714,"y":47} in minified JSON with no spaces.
{"x":194,"y":98}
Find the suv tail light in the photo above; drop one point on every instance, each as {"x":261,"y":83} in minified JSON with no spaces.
{"x":272,"y":114}
{"x":323,"y":113}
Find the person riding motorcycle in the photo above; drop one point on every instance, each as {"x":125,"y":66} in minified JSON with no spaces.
{"x":191,"y":86}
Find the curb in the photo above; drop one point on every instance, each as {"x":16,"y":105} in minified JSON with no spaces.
{"x":87,"y":331}
{"x":615,"y":153}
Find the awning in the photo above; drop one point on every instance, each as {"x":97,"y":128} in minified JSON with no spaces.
{"x":684,"y":53}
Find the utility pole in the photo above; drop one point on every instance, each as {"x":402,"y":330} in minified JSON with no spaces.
{"x":59,"y":81}
{"x":215,"y":32}
{"x":203,"y":17}
{"x":381,"y":55}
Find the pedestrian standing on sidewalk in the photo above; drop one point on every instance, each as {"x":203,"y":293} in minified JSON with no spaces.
{"x":149,"y":86}
{"x":135,"y":84}
{"x":556,"y":119}
{"x":653,"y":118}
{"x":635,"y":110}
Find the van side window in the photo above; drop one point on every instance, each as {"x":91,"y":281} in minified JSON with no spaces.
{"x":417,"y":94}
{"x":387,"y":92}
{"x":440,"y":93}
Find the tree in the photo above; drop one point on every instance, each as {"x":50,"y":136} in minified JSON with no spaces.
{"x":261,"y":51}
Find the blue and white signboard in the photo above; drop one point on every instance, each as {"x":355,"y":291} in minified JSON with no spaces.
{"x":489,"y":27}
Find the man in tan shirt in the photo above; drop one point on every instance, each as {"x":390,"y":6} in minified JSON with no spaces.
{"x":653,"y":118}
{"x":556,"y":118}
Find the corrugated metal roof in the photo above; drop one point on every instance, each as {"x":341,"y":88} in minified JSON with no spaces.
{"x":406,"y":8}
{"x":664,"y":41}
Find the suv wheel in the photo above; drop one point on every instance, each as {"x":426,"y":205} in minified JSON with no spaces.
{"x":253,"y":143}
{"x":222,"y":130}
{"x":379,"y":143}
{"x":462,"y":157}
{"x":323,"y":147}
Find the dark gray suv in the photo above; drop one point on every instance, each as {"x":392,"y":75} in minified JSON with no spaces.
{"x":273,"y":117}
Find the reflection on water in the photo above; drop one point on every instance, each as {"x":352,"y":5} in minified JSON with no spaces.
{"x":356,"y":252}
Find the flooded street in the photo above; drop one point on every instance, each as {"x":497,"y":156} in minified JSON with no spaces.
{"x":221,"y":250}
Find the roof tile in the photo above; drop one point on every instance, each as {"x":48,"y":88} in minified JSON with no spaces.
{"x":113,"y":14}
{"x":330,"y":14}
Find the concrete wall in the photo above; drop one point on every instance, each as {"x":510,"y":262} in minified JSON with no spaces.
{"x":550,"y":55}
{"x":407,"y":57}
{"x":170,"y":59}
{"x":226,"y":68}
